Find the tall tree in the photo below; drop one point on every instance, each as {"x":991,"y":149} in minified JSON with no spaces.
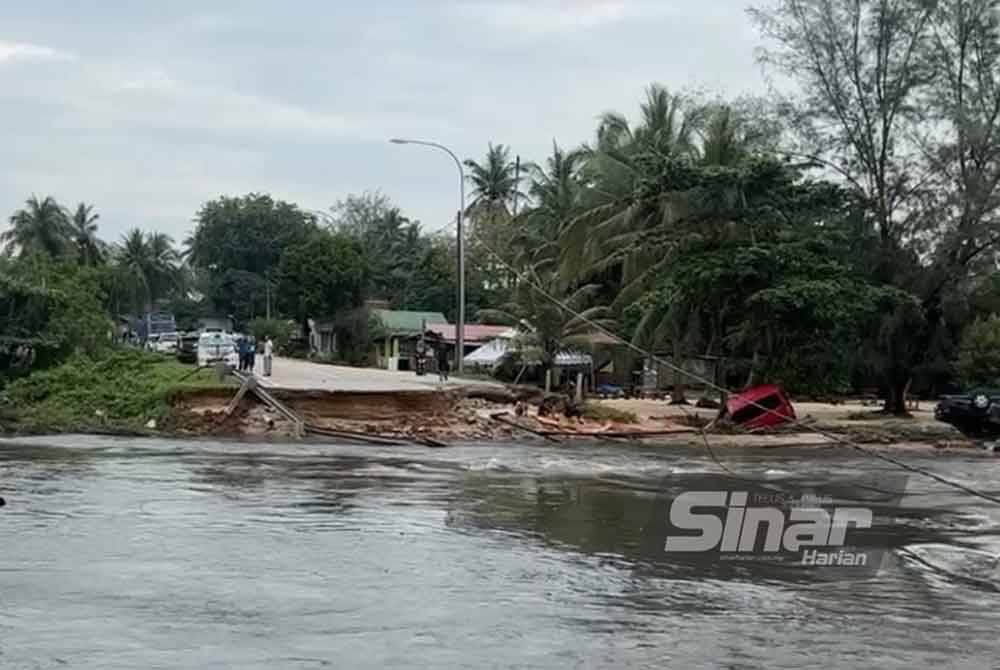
{"x":391,"y":243}
{"x":321,"y":277}
{"x":41,"y":226}
{"x":496,"y":188}
{"x":862,"y":66}
{"x":555,"y":191}
{"x":614,"y":210}
{"x":89,"y":248}
{"x":546,"y":329}
{"x":495,"y":184}
{"x":238,"y":242}
{"x":146,"y":267}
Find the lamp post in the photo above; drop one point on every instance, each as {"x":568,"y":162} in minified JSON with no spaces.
{"x":460,"y":326}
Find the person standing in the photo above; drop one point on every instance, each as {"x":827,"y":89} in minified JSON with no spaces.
{"x":251,"y":354}
{"x":268,"y":355}
{"x":442,"y":361}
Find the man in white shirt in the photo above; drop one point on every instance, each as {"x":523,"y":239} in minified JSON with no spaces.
{"x":268,"y":356}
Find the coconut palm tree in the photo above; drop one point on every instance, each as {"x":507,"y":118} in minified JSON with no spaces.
{"x":90,"y":249}
{"x":40,"y":227}
{"x":495,"y":184}
{"x":545,"y":328}
{"x":555,"y":191}
{"x":147,"y":266}
{"x":615,"y":210}
{"x":495,"y":189}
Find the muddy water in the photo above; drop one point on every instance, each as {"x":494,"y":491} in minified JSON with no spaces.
{"x":163,"y":554}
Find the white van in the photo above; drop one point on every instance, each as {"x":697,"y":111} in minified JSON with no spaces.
{"x":213,"y":347}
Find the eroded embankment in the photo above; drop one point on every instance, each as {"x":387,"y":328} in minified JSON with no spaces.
{"x":436,"y":416}
{"x":407,"y":415}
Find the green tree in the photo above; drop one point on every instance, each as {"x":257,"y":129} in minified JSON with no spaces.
{"x":978,"y":361}
{"x":52,"y":308}
{"x":89,"y":248}
{"x":146,"y":268}
{"x":547,"y":329}
{"x":324,"y":275}
{"x":555,"y":191}
{"x":392,"y":244}
{"x":237,"y":244}
{"x":41,"y":226}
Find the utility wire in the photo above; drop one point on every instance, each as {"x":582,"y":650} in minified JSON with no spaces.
{"x":523,"y":276}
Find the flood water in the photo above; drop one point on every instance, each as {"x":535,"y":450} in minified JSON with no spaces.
{"x":167,"y":554}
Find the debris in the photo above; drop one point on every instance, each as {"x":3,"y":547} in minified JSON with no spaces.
{"x":763,"y":406}
{"x":151,"y":424}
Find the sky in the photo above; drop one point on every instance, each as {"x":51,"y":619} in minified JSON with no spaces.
{"x":148,"y":109}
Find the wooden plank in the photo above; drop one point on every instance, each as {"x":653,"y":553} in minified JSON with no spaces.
{"x":502,"y":418}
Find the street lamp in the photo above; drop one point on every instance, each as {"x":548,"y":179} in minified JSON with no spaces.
{"x":460,"y":327}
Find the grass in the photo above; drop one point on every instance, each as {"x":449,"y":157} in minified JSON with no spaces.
{"x":119,"y":391}
{"x":596,"y":411}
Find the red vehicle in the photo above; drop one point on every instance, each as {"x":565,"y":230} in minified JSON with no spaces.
{"x":762,"y":406}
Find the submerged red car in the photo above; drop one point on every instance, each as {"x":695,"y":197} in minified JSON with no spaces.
{"x":762,"y":406}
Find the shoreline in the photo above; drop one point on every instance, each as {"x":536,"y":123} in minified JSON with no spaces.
{"x":141,"y":395}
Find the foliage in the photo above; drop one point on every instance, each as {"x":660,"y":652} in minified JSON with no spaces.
{"x":122,"y":389}
{"x":355,"y":331}
{"x":598,"y":411}
{"x":978,"y":361}
{"x":898,"y":100}
{"x":146,"y":269}
{"x":281,"y":332}
{"x":238,"y":243}
{"x":392,"y":245}
{"x":547,"y":329}
{"x":324,"y":275}
{"x":54,"y":307}
{"x":41,"y":227}
{"x":89,"y":248}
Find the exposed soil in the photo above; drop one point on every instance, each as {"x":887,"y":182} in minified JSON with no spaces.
{"x":441,"y":417}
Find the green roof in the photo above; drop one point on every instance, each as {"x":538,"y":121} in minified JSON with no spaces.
{"x":403,"y":321}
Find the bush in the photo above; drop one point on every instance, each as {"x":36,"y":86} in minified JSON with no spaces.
{"x":280,"y":331}
{"x":124,"y":388}
{"x":596,"y":411}
{"x":978,"y":361}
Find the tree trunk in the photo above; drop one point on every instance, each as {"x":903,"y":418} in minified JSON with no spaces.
{"x":677,"y":396}
{"x":895,"y":400}
{"x":548,"y":380}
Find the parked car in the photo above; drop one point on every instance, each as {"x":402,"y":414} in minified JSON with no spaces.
{"x":610,"y":391}
{"x":166,"y":343}
{"x":973,"y":413}
{"x":187,"y":348}
{"x":214,"y":347}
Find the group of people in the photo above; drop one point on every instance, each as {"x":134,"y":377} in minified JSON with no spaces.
{"x":246,"y":348}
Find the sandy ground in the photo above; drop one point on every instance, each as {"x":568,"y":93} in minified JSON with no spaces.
{"x":824,"y":412}
{"x":296,"y":374}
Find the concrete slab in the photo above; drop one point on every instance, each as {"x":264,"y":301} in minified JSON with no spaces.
{"x":297,"y":374}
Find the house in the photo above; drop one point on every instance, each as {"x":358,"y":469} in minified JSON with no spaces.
{"x":475,"y":335}
{"x":397,"y":332}
{"x":602,"y":356}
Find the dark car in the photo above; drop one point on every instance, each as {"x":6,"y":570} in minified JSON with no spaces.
{"x":973,"y":413}
{"x":187,"y":348}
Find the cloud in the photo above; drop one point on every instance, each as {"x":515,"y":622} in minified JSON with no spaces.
{"x":25,"y":51}
{"x":153,"y":98}
{"x":557,"y":17}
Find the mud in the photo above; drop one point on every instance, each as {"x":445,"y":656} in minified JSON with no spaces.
{"x":450,"y":416}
